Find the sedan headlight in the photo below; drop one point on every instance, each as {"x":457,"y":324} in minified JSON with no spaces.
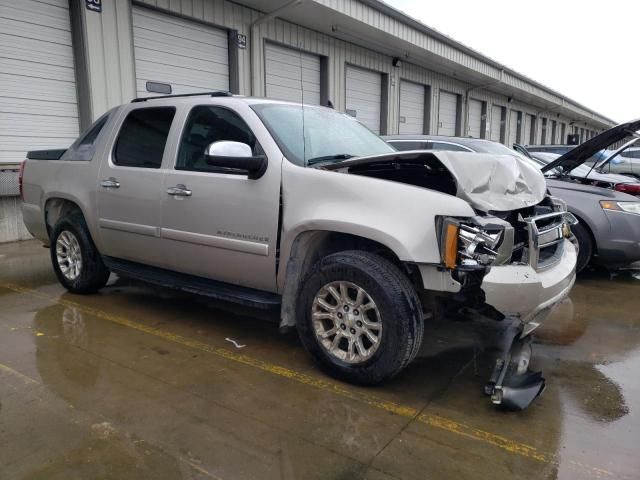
{"x":628,"y":207}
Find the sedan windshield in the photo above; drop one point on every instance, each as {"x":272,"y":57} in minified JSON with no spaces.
{"x":329,"y":136}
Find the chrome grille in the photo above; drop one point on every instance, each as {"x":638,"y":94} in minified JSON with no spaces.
{"x":546,"y":235}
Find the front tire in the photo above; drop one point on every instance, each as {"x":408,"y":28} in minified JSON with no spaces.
{"x":360,"y":317}
{"x":76,"y":260}
{"x":585,"y":246}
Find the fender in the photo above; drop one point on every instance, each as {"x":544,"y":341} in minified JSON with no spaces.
{"x":399,"y":216}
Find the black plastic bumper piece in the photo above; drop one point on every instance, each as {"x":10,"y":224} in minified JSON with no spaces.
{"x":512,"y":385}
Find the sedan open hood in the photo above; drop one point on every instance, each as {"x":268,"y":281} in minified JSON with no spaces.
{"x":487,"y":182}
{"x":584,"y":151}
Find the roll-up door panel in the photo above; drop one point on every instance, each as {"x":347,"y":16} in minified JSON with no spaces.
{"x":189,"y":56}
{"x":447,"y":113}
{"x":412,"y":103}
{"x":496,"y":123}
{"x":292,"y":75}
{"x":475,"y":118}
{"x":363,"y":96}
{"x":513,"y":128}
{"x":38,"y":101}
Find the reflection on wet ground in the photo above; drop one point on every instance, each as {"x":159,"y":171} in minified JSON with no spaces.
{"x":137,"y":382}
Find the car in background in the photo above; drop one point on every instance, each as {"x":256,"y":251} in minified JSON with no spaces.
{"x":557,"y":149}
{"x":626,"y":163}
{"x":608,"y":232}
{"x":623,"y":162}
{"x":586,"y":174}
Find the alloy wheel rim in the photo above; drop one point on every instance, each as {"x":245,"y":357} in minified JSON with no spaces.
{"x":69,"y":255}
{"x":346,"y":322}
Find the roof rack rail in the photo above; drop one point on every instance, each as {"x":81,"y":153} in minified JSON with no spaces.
{"x":220,"y":93}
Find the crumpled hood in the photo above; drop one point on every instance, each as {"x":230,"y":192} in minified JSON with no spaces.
{"x":494,"y":182}
{"x":487,"y":182}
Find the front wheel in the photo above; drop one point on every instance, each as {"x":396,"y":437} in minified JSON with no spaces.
{"x":585,"y":246}
{"x":360,"y":317}
{"x":76,"y":260}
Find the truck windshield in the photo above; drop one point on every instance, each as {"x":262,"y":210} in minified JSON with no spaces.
{"x":329,"y":136}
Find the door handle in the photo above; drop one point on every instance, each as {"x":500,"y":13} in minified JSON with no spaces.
{"x":110,"y":183}
{"x":179,"y":190}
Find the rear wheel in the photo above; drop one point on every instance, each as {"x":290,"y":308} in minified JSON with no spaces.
{"x":360,"y":317}
{"x":76,"y":261}
{"x":585,"y":246}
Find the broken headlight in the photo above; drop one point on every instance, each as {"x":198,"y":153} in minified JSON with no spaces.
{"x":478,"y":242}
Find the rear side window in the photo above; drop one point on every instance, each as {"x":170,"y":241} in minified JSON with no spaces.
{"x":143,"y":136}
{"x":84,"y":148}
{"x":449,"y":147}
{"x":404,"y":146}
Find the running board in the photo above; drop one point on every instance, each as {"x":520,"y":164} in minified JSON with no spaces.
{"x":192,"y":284}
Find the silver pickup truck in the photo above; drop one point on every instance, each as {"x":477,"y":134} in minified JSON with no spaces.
{"x":301,"y":208}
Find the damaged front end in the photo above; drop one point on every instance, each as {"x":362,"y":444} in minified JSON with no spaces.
{"x":512,"y":260}
{"x":531,"y":240}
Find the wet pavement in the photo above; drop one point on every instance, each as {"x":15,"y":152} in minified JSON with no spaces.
{"x":137,"y":382}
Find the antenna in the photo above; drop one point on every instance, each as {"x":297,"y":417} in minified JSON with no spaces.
{"x":304,"y":142}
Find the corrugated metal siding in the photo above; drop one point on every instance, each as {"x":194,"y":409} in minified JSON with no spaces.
{"x":189,"y":56}
{"x":374,"y":18}
{"x":38,"y":102}
{"x":292,"y":75}
{"x":109,"y":46}
{"x":251,"y":60}
{"x":411,"y":120}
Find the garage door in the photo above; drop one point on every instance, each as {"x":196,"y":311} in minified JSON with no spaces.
{"x":38,"y":102}
{"x":363,"y":96}
{"x":527,"y":132}
{"x":496,"y":123}
{"x":411,"y":108}
{"x":190,"y":56}
{"x":292,"y":75}
{"x":475,"y":118}
{"x":513,"y":128}
{"x":447,"y":113}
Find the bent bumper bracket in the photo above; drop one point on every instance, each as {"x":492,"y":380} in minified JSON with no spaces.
{"x":512,"y":385}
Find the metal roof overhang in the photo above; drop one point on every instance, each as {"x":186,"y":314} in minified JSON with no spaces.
{"x":495,"y":78}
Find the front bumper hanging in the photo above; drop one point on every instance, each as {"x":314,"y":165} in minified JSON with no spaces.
{"x":513,"y":385}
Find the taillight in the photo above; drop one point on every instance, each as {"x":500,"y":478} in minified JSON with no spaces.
{"x":630,"y":188}
{"x":20,"y":175}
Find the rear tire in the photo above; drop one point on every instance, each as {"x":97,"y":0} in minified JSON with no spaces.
{"x":585,"y":246}
{"x":359,"y":297}
{"x":75,"y":258}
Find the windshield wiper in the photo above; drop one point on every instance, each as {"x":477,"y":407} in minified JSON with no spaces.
{"x":328,"y":158}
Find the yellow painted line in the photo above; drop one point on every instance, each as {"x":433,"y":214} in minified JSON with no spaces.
{"x":430,"y":420}
{"x":15,"y":373}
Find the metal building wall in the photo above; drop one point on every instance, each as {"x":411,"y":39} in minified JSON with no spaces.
{"x":111,"y":72}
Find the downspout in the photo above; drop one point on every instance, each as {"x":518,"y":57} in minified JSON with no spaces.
{"x":465,"y":129}
{"x":255,"y":41}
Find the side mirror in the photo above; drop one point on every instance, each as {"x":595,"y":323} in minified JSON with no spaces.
{"x":236,"y":156}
